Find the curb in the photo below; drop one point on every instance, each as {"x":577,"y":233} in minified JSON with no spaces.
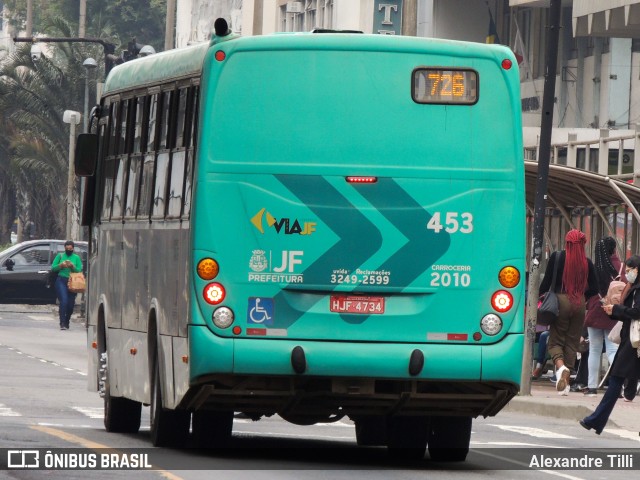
{"x":539,"y":406}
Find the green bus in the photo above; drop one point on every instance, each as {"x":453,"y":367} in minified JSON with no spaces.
{"x":317,"y":225}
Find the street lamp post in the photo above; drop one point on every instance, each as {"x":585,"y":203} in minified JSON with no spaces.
{"x":72,"y":118}
{"x":89,"y":64}
{"x":108,"y":47}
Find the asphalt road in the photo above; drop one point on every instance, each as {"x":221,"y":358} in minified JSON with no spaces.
{"x":44,"y":404}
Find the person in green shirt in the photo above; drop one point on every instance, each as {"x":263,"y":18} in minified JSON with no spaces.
{"x":65,"y":263}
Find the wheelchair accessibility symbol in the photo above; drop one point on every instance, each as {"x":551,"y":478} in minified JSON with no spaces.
{"x":260,"y":311}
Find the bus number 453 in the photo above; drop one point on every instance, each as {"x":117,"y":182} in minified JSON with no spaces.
{"x":453,"y":222}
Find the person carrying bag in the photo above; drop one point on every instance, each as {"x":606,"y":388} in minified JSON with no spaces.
{"x":611,"y":281}
{"x":576,"y":280}
{"x":626,"y":363}
{"x":65,"y":264}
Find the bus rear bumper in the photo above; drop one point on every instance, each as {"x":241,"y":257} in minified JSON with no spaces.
{"x":259,"y":376}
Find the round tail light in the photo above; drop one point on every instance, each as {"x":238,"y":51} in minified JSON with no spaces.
{"x":213,"y":293}
{"x":502,"y":301}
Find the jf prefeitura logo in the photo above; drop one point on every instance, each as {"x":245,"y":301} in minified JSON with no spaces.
{"x":74,"y":459}
{"x":285,"y":226}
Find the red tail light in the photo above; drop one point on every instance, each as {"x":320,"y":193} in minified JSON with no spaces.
{"x":502,"y":301}
{"x":214,"y":293}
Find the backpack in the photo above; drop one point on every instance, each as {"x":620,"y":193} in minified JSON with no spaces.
{"x":614,"y":292}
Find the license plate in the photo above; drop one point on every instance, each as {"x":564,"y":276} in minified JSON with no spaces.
{"x":363,"y":305}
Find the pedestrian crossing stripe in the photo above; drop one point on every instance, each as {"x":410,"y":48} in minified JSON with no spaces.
{"x":533,"y":432}
{"x":623,"y":433}
{"x":91,"y":412}
{"x":7,"y":412}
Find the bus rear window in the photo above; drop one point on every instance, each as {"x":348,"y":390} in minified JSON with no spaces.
{"x":445,"y":86}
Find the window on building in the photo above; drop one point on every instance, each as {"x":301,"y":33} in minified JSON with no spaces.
{"x":304,"y":16}
{"x":325,"y":11}
{"x":310,"y":15}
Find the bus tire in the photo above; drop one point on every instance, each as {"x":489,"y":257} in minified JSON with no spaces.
{"x":371,"y":431}
{"x":121,"y":415}
{"x":212,"y":429}
{"x":449,"y":438}
{"x":407,"y":437}
{"x":169,"y":428}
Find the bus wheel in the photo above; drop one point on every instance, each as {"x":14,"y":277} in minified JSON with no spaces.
{"x":407,"y":437}
{"x":212,"y":429}
{"x":449,"y":438}
{"x":169,"y":428}
{"x":371,"y":431}
{"x":120,"y":414}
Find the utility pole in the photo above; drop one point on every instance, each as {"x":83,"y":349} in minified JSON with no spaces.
{"x":29,"y":26}
{"x":548,"y":101}
{"x":83,"y":18}
{"x":169,"y":36}
{"x":258,"y":12}
{"x":410,"y":18}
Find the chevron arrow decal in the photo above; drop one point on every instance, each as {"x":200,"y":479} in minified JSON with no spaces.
{"x":343,"y":219}
{"x":423,"y":246}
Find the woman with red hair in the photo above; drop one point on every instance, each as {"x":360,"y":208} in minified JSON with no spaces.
{"x":579,"y":282}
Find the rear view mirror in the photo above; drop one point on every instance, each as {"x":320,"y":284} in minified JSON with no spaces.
{"x":9,"y":264}
{"x":86,"y":154}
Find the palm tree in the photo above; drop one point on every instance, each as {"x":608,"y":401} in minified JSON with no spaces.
{"x":33,"y":98}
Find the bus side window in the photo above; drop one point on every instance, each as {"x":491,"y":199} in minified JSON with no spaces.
{"x":176,"y":184}
{"x":122,"y":129}
{"x":146,"y":184}
{"x":133,"y":186}
{"x":164,"y":140}
{"x":130,"y":187}
{"x":125,"y":142}
{"x":119,"y":188}
{"x":160,"y":185}
{"x":190,"y":137}
{"x":137,"y":127}
{"x":180,"y":120}
{"x":108,"y":162}
{"x":153,"y":117}
{"x":188,"y":176}
{"x":149,"y":124}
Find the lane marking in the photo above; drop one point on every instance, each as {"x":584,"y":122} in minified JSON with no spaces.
{"x":44,"y":360}
{"x":533,"y":432}
{"x":292,"y":435}
{"x":91,"y":412}
{"x":86,"y":443}
{"x":7,"y":412}
{"x":511,"y":444}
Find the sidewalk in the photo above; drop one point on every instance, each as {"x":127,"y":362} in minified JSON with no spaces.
{"x":544,"y":400}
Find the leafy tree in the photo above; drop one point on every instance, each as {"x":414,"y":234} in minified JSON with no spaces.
{"x":33,"y":98}
{"x":124,"y":19}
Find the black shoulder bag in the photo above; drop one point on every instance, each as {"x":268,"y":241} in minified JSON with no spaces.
{"x":51,"y":277}
{"x":549,"y":307}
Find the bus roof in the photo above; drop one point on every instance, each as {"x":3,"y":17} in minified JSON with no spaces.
{"x":186,"y":62}
{"x":157,"y":68}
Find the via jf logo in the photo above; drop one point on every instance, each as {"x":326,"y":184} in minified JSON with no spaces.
{"x":282,"y":225}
